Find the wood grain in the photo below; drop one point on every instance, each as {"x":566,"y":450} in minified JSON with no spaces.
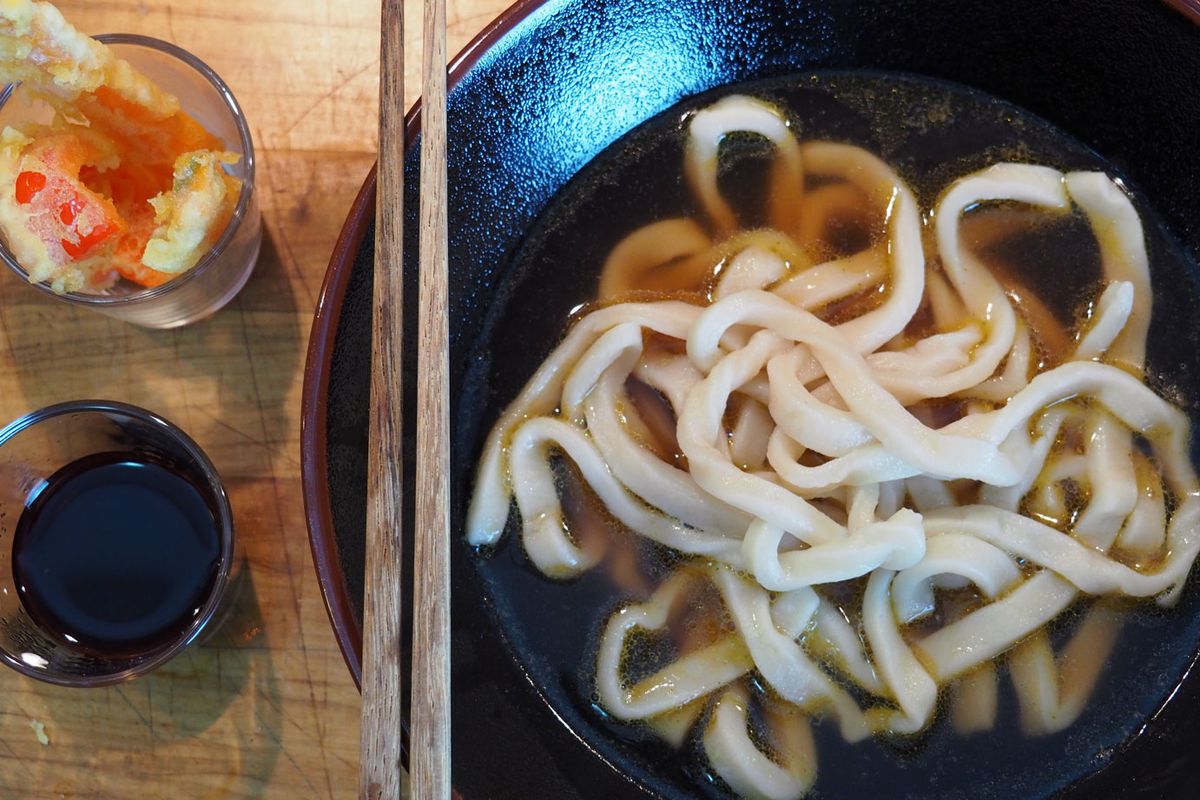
{"x":430,"y":752}
{"x":382,"y":679}
{"x":267,"y":708}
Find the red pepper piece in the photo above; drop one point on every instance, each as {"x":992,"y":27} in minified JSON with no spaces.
{"x":89,"y":240}
{"x":29,"y":184}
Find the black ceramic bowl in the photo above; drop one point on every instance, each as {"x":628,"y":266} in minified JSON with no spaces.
{"x":534,"y":98}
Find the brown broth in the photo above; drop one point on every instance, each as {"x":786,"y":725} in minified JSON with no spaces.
{"x":1049,"y":266}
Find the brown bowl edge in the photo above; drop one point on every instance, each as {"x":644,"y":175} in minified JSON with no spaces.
{"x":313,"y":453}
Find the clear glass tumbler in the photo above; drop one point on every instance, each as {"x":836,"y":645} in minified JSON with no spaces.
{"x":223,"y":270}
{"x":33,"y":449}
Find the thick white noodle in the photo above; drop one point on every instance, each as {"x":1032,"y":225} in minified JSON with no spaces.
{"x":649,"y":249}
{"x":976,"y":699}
{"x":748,"y":771}
{"x":876,"y":504}
{"x":731,"y":115}
{"x":692,"y":676}
{"x":1122,"y":255}
{"x":492,"y":494}
{"x":985,"y":565}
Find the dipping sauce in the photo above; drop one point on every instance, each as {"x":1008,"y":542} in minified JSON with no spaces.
{"x":117,"y":553}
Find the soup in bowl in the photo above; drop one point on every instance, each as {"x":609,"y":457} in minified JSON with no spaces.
{"x":893,"y":181}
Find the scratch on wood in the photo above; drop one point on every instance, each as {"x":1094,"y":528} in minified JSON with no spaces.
{"x":220,"y":676}
{"x":277,"y":215}
{"x":120,"y":693}
{"x":273,"y":735}
{"x":278,"y":708}
{"x":150,"y":702}
{"x":16,"y":758}
{"x":343,"y":83}
{"x":287,"y":551}
{"x":272,"y":449}
{"x":8,"y":340}
{"x":192,"y":12}
{"x":291,"y":575}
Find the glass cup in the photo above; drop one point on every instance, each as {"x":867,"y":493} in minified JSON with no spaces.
{"x":33,"y":449}
{"x":221,"y":272}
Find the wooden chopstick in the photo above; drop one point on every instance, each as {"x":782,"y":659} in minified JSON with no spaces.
{"x":382,"y":682}
{"x":429,"y":761}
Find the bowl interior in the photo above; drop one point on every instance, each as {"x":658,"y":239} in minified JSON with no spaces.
{"x":537,"y":99}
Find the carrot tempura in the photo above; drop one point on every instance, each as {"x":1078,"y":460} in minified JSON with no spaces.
{"x":122,"y":183}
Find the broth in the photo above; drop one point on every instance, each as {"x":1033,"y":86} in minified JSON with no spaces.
{"x":638,"y":180}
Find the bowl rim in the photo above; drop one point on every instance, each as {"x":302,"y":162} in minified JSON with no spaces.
{"x":313,"y":429}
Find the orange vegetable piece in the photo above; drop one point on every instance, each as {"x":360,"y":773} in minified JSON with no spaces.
{"x":62,"y":210}
{"x":152,"y":141}
{"x":127,"y":258}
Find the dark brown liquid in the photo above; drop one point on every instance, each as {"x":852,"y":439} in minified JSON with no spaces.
{"x":117,"y":553}
{"x":1049,"y":264}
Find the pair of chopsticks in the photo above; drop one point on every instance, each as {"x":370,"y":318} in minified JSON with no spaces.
{"x":382,"y":681}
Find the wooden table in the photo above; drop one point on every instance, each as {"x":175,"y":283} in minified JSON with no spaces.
{"x":267,"y":709}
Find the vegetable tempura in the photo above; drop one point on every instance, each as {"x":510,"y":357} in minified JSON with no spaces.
{"x":122,"y":183}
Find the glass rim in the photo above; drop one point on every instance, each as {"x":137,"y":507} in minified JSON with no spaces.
{"x":213,"y":254}
{"x":225,"y":519}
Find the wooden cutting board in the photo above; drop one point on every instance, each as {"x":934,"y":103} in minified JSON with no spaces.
{"x":267,"y":709}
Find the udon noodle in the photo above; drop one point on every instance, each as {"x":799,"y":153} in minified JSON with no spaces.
{"x":881,"y":471}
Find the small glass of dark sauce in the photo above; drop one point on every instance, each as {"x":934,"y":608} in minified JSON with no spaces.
{"x":120,"y":542}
